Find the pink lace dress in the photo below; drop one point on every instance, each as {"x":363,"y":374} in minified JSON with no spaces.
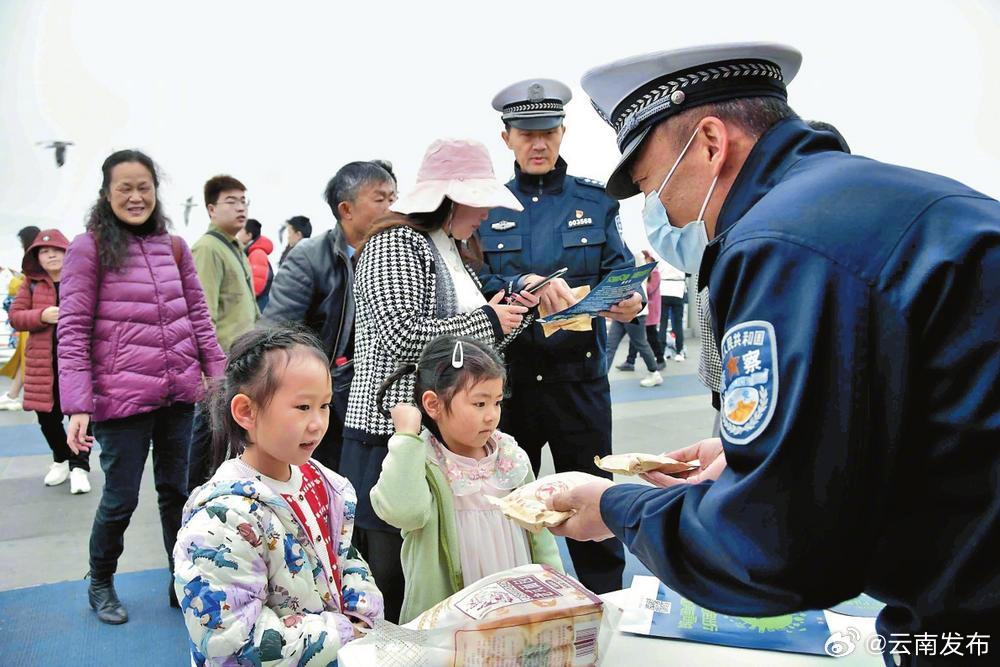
{"x":489,"y":542}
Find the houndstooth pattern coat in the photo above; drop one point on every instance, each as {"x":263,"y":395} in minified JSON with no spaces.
{"x":403,"y":302}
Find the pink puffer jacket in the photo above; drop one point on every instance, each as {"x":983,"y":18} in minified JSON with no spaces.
{"x":133,"y":340}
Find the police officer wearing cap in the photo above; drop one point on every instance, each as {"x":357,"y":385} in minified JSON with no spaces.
{"x":856,"y":307}
{"x":559,"y":390}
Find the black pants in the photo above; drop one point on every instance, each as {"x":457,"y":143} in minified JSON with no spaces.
{"x":380,"y":548}
{"x":332,"y":446}
{"x":636,"y":331}
{"x":574,"y":418}
{"x":672,"y":312}
{"x":52,"y":428}
{"x":199,"y":454}
{"x":377,"y":541}
{"x":654,"y":343}
{"x":124,"y":447}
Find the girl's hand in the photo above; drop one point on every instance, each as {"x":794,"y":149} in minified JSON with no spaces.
{"x":77,"y":437}
{"x":50,"y":315}
{"x":407,"y":419}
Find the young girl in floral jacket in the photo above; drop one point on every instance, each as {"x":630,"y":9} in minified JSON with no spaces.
{"x":265,"y":570}
{"x":445,"y":458}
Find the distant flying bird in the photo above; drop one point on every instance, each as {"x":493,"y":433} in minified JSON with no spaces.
{"x":60,"y":147}
{"x":188,"y":205}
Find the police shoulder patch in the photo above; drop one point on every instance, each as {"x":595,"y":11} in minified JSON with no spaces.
{"x":749,"y":354}
{"x":594,"y":183}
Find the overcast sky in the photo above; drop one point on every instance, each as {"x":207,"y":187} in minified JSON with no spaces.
{"x":281,"y":94}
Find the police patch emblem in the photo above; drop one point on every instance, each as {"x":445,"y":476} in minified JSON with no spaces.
{"x":749,"y":354}
{"x":503,"y":225}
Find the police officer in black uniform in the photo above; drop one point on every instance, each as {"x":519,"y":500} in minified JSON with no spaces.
{"x":559,"y":390}
{"x":856,"y":306}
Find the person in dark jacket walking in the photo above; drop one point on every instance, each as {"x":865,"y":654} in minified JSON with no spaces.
{"x":315,"y":285}
{"x":856,"y":306}
{"x":136,"y":346}
{"x":36,"y":310}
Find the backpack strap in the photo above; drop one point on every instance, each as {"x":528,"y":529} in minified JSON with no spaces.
{"x":177,"y":248}
{"x":239,"y":259}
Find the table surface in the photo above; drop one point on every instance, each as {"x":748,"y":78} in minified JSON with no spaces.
{"x":620,"y":648}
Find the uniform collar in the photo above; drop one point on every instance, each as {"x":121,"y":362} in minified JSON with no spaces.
{"x":550,"y":183}
{"x":777,"y":151}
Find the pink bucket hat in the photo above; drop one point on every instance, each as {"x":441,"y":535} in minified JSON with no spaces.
{"x":461,"y":170}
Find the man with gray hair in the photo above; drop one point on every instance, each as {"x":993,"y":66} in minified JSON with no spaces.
{"x":315,"y":285}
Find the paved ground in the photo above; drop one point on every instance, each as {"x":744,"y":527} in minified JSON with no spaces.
{"x":44,"y":531}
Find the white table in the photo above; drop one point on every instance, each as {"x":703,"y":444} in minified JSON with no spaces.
{"x":619,"y":648}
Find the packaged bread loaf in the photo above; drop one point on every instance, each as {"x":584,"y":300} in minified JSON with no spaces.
{"x":529,"y":615}
{"x":633,"y":464}
{"x":526,"y":505}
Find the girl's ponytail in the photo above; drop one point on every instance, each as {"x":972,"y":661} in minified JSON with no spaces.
{"x":446,"y":365}
{"x":404,"y":369}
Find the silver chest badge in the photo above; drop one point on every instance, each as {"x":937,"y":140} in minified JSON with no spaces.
{"x":503,"y":225}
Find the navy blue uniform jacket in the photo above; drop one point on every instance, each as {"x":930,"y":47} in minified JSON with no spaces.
{"x":876,"y":465}
{"x":567,"y":222}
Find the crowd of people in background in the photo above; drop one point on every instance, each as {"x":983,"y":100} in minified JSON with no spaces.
{"x":126,"y":331}
{"x":207,"y":357}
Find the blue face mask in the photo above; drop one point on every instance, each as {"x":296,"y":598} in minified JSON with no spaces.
{"x":681,"y":247}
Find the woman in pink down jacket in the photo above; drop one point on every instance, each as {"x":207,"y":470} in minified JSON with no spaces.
{"x":135,"y":347}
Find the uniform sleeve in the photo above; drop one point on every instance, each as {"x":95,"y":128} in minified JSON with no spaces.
{"x":392,"y":279}
{"x":614,"y":254}
{"x":213,"y":361}
{"x":401,"y":496}
{"x":78,"y":300}
{"x":292,"y":289}
{"x":785,"y":526}
{"x":210,"y":268}
{"x":497,"y":282}
{"x":221,"y":582}
{"x":23,"y":316}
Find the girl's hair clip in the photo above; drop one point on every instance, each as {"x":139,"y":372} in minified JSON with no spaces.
{"x":458,"y":355}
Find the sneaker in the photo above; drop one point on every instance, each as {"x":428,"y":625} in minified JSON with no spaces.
{"x":654,"y":379}
{"x":7,"y":402}
{"x":57,"y":474}
{"x":78,"y":482}
{"x":679,"y":357}
{"x":625,"y":366}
